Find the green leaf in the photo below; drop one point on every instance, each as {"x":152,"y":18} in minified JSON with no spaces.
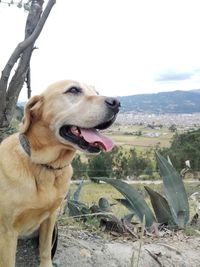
{"x":78,"y":209}
{"x":174,"y":190}
{"x":138,"y":204}
{"x":85,"y":210}
{"x":77,"y":192}
{"x":73,"y":209}
{"x":79,"y":204}
{"x":160,"y":206}
{"x":95,"y":209}
{"x":104,"y":204}
{"x":125,"y":202}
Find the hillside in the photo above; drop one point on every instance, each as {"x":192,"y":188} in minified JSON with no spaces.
{"x":166,"y":102}
{"x":159,"y":103}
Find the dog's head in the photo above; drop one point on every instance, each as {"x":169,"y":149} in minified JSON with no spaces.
{"x":74,"y":113}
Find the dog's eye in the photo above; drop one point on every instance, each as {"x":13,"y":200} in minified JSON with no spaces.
{"x":73,"y":90}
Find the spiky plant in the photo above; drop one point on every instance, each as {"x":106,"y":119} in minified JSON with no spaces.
{"x":172,"y":210}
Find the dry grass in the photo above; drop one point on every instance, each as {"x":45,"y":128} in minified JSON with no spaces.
{"x":121,"y":137}
{"x":140,"y":141}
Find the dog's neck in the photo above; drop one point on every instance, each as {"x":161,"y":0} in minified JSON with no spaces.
{"x":45,"y":152}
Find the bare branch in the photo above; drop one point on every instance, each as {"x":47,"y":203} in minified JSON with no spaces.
{"x":22,"y":46}
{"x":9,"y":94}
{"x":28,"y":83}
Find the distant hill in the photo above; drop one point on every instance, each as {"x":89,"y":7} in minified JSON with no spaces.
{"x":166,"y":102}
{"x":159,"y":103}
{"x":195,"y":91}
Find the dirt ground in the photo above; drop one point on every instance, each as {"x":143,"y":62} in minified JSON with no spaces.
{"x":81,"y":248}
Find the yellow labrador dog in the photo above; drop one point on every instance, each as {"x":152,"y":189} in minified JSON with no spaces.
{"x":35,"y":164}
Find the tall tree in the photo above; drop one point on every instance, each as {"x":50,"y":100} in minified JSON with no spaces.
{"x":10,"y":87}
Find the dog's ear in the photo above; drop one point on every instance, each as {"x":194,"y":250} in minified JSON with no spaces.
{"x":32,"y":110}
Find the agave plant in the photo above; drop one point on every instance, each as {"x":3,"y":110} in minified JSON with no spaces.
{"x":74,"y":207}
{"x":101,"y":212}
{"x":172,"y":210}
{"x":175,"y":191}
{"x":77,"y":209}
{"x":137,"y":203}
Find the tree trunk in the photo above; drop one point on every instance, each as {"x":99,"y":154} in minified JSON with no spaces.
{"x":9,"y":92}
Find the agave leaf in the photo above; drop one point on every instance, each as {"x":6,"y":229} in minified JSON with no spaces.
{"x":73,"y":209}
{"x":125,"y":202}
{"x":181,"y":219}
{"x":85,"y":210}
{"x":160,"y":206}
{"x":95,"y":209}
{"x":104,"y":204}
{"x":169,"y":160}
{"x":77,"y":192}
{"x":139,"y":206}
{"x":78,"y":204}
{"x":77,"y":208}
{"x":174,"y":190}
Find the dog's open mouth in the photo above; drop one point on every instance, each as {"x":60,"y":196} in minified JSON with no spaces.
{"x":90,"y":139}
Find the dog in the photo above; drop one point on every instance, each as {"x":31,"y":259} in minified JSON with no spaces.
{"x":35,"y":163}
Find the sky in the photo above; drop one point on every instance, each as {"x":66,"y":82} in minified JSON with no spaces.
{"x":121,"y":47}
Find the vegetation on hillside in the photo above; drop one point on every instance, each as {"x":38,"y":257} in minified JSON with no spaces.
{"x":118,"y":163}
{"x":131,"y":163}
{"x":185,"y":147}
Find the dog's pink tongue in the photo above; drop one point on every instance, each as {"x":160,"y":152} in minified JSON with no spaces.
{"x":92,"y":137}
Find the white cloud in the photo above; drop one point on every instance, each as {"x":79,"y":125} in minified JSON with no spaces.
{"x":119,"y":46}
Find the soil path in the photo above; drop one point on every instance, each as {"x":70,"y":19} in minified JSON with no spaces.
{"x":80,"y":248}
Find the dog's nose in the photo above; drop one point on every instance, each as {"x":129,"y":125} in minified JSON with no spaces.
{"x":113,"y":103}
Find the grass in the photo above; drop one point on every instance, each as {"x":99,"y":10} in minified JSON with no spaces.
{"x":192,"y":230}
{"x":91,"y":193}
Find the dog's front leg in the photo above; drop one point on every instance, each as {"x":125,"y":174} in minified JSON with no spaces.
{"x":8,"y":246}
{"x":45,"y":241}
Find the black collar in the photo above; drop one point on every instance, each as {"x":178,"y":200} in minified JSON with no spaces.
{"x":27,"y":148}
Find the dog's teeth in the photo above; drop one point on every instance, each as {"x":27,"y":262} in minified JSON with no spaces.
{"x":73,"y":128}
{"x":75,"y":131}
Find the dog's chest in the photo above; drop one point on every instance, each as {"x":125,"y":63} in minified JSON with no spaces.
{"x":41,"y":204}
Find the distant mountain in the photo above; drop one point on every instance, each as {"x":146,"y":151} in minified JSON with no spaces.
{"x":166,"y":102}
{"x":195,"y":91}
